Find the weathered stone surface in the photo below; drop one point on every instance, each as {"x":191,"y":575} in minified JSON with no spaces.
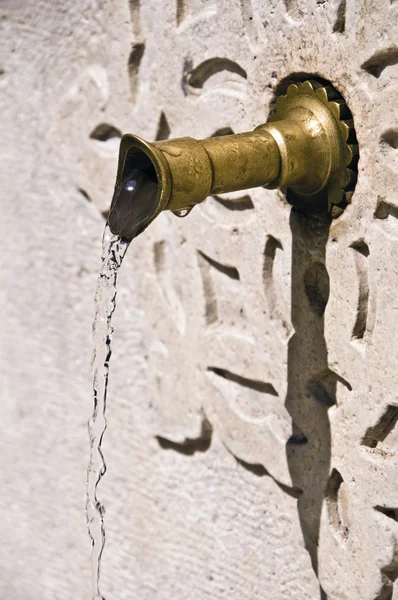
{"x":253,"y":397}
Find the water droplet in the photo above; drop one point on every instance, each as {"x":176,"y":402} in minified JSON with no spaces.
{"x":172,"y":150}
{"x":184,"y":212}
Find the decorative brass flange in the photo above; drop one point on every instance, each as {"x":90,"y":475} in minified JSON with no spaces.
{"x":307,"y":146}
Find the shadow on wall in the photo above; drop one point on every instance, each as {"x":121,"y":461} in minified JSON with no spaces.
{"x":311,"y":385}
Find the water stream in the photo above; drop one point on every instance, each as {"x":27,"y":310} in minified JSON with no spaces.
{"x":133,"y":207}
{"x":113,"y":252}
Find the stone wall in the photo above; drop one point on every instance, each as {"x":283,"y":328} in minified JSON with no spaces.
{"x":252,"y":445}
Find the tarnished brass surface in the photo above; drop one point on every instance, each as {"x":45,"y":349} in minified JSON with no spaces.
{"x":304,"y":147}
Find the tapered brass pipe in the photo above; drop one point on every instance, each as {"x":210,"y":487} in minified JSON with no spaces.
{"x":216,"y":165}
{"x":305,"y":147}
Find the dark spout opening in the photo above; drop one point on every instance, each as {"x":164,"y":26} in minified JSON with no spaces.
{"x":136,"y":195}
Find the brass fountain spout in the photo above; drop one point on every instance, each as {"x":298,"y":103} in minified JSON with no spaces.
{"x":307,"y":146}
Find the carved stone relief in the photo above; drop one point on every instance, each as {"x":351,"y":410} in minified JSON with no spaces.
{"x":271,"y":331}
{"x":276,"y":329}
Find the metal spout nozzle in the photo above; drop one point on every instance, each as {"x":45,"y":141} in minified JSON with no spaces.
{"x":304,"y":147}
{"x":177,"y":174}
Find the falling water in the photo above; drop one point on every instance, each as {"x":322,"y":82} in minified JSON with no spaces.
{"x":113,"y":251}
{"x":133,"y":206}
